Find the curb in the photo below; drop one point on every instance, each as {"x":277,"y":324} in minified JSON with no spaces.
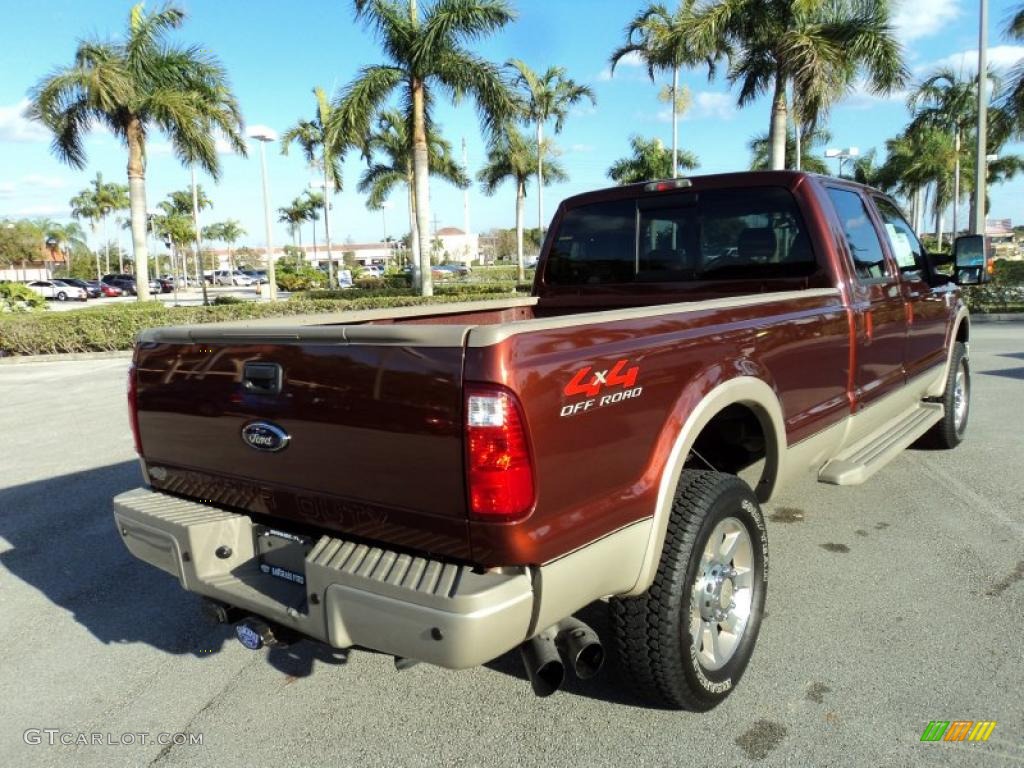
{"x":64,"y":356}
{"x":1006,"y":317}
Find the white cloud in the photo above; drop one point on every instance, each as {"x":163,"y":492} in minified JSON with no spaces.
{"x":15,"y":127}
{"x":721,"y":106}
{"x":581,"y":149}
{"x":7,"y":189}
{"x":41,"y":210}
{"x":38,"y":181}
{"x":631,"y":60}
{"x":706,"y":105}
{"x":915,"y":19}
{"x":1000,"y":57}
{"x":158,"y":148}
{"x":862,"y":97}
{"x":224,"y":148}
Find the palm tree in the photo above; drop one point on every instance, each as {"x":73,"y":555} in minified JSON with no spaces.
{"x":229,"y":232}
{"x":391,"y":140}
{"x":544,"y":97}
{"x":923,"y":156}
{"x":820,"y":46}
{"x":426,"y":52}
{"x":133,"y":86}
{"x":311,"y":203}
{"x":662,"y":41}
{"x":1012,"y":98}
{"x":85,"y":206}
{"x":511,"y":156}
{"x":313,"y":137}
{"x":179,"y":203}
{"x":944,"y":100}
{"x":650,"y":160}
{"x":68,"y":238}
{"x":294,"y":216}
{"x":761,"y":147}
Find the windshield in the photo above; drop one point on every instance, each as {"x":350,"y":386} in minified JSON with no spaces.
{"x":718,"y":234}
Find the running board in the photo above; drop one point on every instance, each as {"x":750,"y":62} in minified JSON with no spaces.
{"x":859,"y":462}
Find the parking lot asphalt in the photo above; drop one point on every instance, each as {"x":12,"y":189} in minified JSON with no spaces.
{"x":890,"y":605}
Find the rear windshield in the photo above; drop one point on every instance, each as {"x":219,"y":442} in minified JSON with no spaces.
{"x":752,"y":233}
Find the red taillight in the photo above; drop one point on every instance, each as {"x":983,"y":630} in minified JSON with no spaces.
{"x":133,"y":407}
{"x":499,"y":469}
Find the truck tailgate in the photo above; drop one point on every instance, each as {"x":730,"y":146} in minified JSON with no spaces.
{"x":374,"y":444}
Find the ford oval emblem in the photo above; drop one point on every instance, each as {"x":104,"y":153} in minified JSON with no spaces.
{"x":264,"y":436}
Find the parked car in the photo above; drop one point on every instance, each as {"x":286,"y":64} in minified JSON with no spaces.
{"x":227,"y":277}
{"x":256,"y":275}
{"x":123,"y":281}
{"x":372,"y":270}
{"x":166,"y":284}
{"x":59,"y":290}
{"x":91,"y":287}
{"x":450,"y":270}
{"x":581,"y":444}
{"x":110,"y":291}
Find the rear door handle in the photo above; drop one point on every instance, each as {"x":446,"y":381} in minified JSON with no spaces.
{"x":262,"y":378}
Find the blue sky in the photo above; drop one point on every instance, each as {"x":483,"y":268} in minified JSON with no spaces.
{"x":276,"y":52}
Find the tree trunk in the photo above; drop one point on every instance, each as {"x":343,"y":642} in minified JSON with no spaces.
{"x":956,"y":179}
{"x":540,"y":179}
{"x":777,"y":129}
{"x":675,"y":123}
{"x":414,"y":236}
{"x":798,"y":138}
{"x":421,"y":175}
{"x":106,"y":247}
{"x":99,"y":267}
{"x":520,"y":207}
{"x":938,"y":222}
{"x":137,"y":199}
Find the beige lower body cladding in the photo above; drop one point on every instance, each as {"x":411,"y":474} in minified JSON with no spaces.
{"x":354,"y":595}
{"x":360,"y":595}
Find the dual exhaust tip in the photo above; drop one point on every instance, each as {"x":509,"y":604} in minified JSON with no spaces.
{"x":569,"y":643}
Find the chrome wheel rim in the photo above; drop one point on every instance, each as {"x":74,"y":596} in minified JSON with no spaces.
{"x":722,"y":594}
{"x":960,"y":397}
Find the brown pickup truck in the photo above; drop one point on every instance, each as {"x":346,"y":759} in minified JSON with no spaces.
{"x":448,"y":483}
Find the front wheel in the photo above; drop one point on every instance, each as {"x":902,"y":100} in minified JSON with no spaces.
{"x":956,"y":403}
{"x":686,"y":642}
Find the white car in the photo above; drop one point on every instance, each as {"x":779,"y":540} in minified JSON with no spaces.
{"x":227,"y":277}
{"x":58,"y":289}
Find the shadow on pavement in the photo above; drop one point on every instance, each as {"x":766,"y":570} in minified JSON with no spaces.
{"x":64,"y":544}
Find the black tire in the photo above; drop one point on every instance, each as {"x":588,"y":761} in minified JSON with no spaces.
{"x":949,"y":432}
{"x":61,"y":296}
{"x":652,"y":631}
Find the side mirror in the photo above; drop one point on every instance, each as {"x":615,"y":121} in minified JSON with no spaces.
{"x":970,"y":260}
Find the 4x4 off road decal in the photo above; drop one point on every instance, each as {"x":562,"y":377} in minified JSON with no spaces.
{"x":618,"y":383}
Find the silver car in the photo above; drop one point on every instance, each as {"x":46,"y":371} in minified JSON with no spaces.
{"x":58,"y":289}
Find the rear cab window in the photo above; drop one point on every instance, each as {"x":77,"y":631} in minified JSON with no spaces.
{"x":681,"y":237}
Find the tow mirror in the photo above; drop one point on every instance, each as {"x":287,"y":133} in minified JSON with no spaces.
{"x":970,"y":261}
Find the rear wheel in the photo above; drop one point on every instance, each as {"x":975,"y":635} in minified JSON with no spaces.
{"x":956,"y":403}
{"x":686,"y":642}
{"x":61,"y":296}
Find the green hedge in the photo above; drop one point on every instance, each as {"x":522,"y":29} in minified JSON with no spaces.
{"x":448,"y":289}
{"x":115,"y":327}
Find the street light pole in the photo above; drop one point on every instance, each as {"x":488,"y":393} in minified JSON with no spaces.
{"x":981,"y":170}
{"x":262,"y":134}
